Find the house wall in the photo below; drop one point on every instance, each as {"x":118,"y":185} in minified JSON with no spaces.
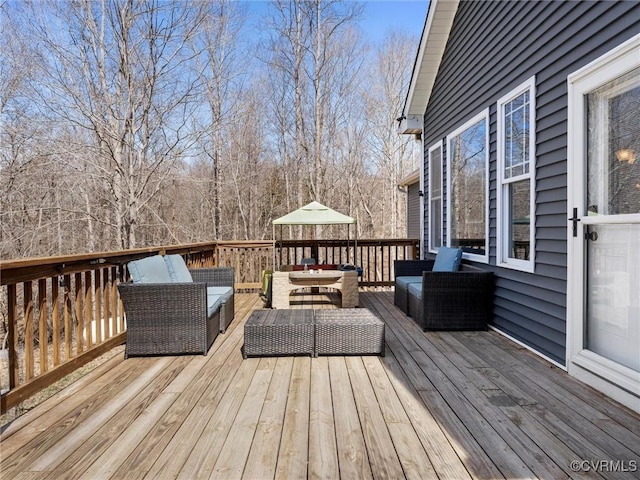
{"x":413,"y":210}
{"x":494,"y":47}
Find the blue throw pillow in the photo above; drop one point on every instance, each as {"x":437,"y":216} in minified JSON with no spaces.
{"x":447,"y":260}
{"x":178,"y":270}
{"x":149,"y":270}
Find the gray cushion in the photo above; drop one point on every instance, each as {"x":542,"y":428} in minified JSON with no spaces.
{"x":224,"y":292}
{"x":213,"y":303}
{"x":178,"y":270}
{"x":415,"y":290}
{"x":447,"y":259}
{"x":404,"y":281}
{"x":149,"y":270}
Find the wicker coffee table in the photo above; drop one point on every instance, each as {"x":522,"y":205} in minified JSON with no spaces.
{"x":348,"y":331}
{"x":279,"y":332}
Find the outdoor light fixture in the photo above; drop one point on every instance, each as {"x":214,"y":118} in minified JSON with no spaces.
{"x":626,"y":155}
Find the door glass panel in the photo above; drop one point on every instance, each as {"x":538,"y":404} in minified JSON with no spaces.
{"x":613,"y":188}
{"x":614,"y":147}
{"x":613,"y":293}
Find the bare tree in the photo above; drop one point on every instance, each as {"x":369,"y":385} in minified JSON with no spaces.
{"x":133,"y":122}
{"x":115,"y":69}
{"x":221,"y":72}
{"x":394,"y":156}
{"x":313,"y":52}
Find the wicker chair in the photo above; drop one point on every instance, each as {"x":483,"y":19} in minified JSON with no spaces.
{"x":461,"y":300}
{"x":168,"y":318}
{"x":172,"y":318}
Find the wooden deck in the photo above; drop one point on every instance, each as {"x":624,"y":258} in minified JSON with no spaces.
{"x":438,"y":405}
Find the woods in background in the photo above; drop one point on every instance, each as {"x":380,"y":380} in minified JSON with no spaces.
{"x":127,"y":123}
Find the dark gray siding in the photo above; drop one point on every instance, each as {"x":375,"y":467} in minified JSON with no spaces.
{"x":413,"y":210}
{"x":494,"y":47}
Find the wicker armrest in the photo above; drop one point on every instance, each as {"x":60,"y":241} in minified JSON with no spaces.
{"x":165,"y":299}
{"x":479,"y":280}
{"x":410,"y":268}
{"x":219,"y":277}
{"x":461,"y":300}
{"x":214,"y":277}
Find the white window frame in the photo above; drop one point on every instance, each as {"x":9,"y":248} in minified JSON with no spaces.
{"x":503,"y":212}
{"x":482,"y":116}
{"x":437,"y":146}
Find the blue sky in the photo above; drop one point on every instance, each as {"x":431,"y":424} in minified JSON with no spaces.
{"x":381,"y":16}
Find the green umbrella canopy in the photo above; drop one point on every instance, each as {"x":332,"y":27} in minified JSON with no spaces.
{"x":314,"y":214}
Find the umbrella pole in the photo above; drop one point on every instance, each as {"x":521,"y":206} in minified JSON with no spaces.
{"x":355,"y":251}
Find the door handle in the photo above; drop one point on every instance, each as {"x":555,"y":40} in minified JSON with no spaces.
{"x":593,"y":236}
{"x":575,"y":219}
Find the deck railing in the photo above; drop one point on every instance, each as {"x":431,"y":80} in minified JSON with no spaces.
{"x":59,"y":313}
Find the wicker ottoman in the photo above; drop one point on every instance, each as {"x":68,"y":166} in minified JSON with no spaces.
{"x":279,"y":332}
{"x":348,"y":331}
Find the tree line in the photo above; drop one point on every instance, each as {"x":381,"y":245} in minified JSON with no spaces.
{"x":127,"y":123}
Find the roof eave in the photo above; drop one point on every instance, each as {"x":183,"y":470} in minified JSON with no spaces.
{"x":413,"y":177}
{"x":432,"y":44}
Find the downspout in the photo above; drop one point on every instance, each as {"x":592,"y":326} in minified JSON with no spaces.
{"x":421,"y":194}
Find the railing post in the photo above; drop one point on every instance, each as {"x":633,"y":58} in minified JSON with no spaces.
{"x":43,"y":333}
{"x":79,"y":312}
{"x":29,"y":370}
{"x":12,"y":338}
{"x":55,"y":320}
{"x":67,"y":317}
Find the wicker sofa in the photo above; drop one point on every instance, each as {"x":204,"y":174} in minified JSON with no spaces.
{"x":456,"y":300}
{"x":175,"y":311}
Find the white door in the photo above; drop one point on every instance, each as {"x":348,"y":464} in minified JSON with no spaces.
{"x":604,"y":224}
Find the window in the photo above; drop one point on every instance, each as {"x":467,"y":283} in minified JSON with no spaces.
{"x":516,"y":155}
{"x":435,"y":197}
{"x":467,"y":167}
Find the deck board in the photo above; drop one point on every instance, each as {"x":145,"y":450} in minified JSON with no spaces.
{"x":263,"y":456}
{"x":323,"y":459}
{"x":447,"y":405}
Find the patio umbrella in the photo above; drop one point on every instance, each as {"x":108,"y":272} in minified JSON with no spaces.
{"x":314,"y":213}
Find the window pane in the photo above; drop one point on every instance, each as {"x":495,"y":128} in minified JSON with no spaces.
{"x":516,"y":138}
{"x":435,"y":232}
{"x":468,"y":188}
{"x":435,"y":179}
{"x":435,"y":195}
{"x":614,"y":146}
{"x":519,"y":199}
